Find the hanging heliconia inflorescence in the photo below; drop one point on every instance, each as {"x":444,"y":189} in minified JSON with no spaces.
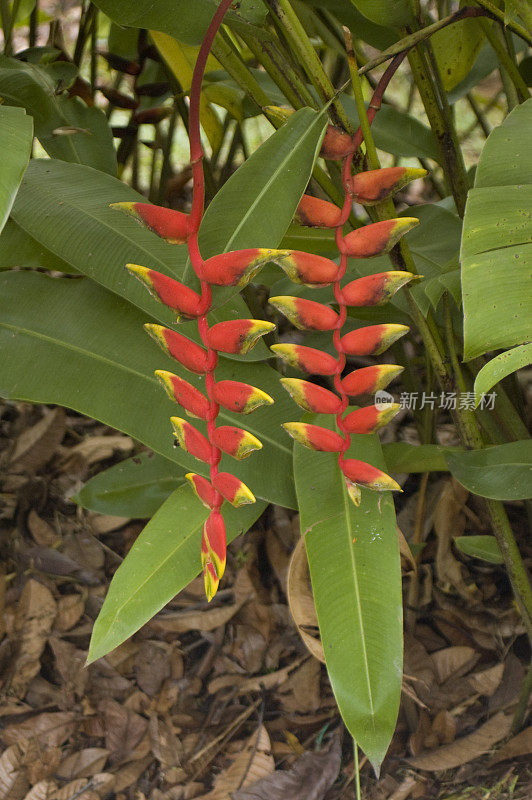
{"x":237,"y":268}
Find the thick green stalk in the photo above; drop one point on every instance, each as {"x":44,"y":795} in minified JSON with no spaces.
{"x":513,"y":26}
{"x":518,"y":91}
{"x":5,"y":15}
{"x":371,"y":150}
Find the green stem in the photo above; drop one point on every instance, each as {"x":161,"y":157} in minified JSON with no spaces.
{"x":519,"y":91}
{"x":481,"y":120}
{"x":5,"y":15}
{"x":515,"y":27}
{"x":287,"y":19}
{"x":522,"y":703}
{"x":371,"y":150}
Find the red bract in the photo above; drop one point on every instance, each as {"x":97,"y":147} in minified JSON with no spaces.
{"x":373,"y":340}
{"x":235,"y":442}
{"x":202,"y":489}
{"x":239,"y":397}
{"x":306,"y":314}
{"x":184,"y":393}
{"x":238,"y":336}
{"x":370,"y":419}
{"x":172,"y":293}
{"x":238,"y":267}
{"x":312,"y":397}
{"x":378,"y":238}
{"x":317,"y":213}
{"x":369,"y":380}
{"x":374,"y":290}
{"x":165,"y":222}
{"x":337,"y":144}
{"x":307,"y":359}
{"x":213,"y":551}
{"x":315,"y":437}
{"x":362,"y":474}
{"x":376,"y":185}
{"x":188,"y":353}
{"x":191,"y":440}
{"x":306,"y":268}
{"x":232,"y":489}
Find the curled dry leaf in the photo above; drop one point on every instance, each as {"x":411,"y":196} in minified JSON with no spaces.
{"x":520,"y":745}
{"x":451,"y":662}
{"x":486,"y":681}
{"x":123,"y":729}
{"x":36,"y":445}
{"x":184,"y":621}
{"x":309,"y":778}
{"x":70,"y":609}
{"x":252,"y":763}
{"x":43,"y":790}
{"x":42,"y":532}
{"x":13,"y":781}
{"x":34,"y":618}
{"x":47,"y":729}
{"x":465,"y":749}
{"x":300,"y":600}
{"x":83,"y":763}
{"x":408,"y":562}
{"x":241,"y":684}
{"x":99,"y":448}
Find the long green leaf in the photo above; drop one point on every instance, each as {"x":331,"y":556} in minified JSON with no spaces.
{"x":19,"y":249}
{"x":496,"y":252}
{"x":67,"y":341}
{"x":501,"y":366}
{"x":484,"y":547}
{"x":16,"y":135}
{"x":136,"y":487}
{"x":356,"y":580}
{"x":392,"y":12}
{"x":163,"y":560}
{"x":503,"y":472}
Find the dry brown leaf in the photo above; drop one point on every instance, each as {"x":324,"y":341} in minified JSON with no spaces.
{"x":465,"y":749}
{"x":165,"y":745}
{"x":85,"y":550}
{"x":278,"y":557}
{"x":520,"y":745}
{"x":106,"y":523}
{"x":123,"y":729}
{"x":486,"y":681}
{"x":36,"y":445}
{"x":42,"y":532}
{"x":309,"y":779}
{"x":13,"y":781}
{"x":83,"y":763}
{"x":184,"y":621}
{"x":405,"y":552}
{"x":453,"y":661}
{"x":243,"y":684}
{"x":50,"y":729}
{"x":444,"y":727}
{"x":81,"y":787}
{"x":99,"y":448}
{"x":130,"y":773}
{"x":449,"y":521}
{"x":70,"y":609}
{"x":42,"y":791}
{"x":33,"y":622}
{"x":45,"y":765}
{"x":252,"y":763}
{"x":152,"y":666}
{"x":301,"y":692}
{"x":300,"y":600}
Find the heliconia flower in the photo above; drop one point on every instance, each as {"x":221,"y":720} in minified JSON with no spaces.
{"x":191,"y":440}
{"x":214,"y":539}
{"x":237,"y":336}
{"x":172,"y":293}
{"x":232,"y":489}
{"x":188,"y":353}
{"x":377,"y":238}
{"x":239,"y":397}
{"x":305,"y":314}
{"x":312,"y":397}
{"x":370,"y":418}
{"x":336,"y":144}
{"x":375,"y":185}
{"x":210,"y":578}
{"x":369,"y":380}
{"x":165,"y":222}
{"x":315,"y":437}
{"x":358,"y":472}
{"x":153,"y":116}
{"x":237,"y":267}
{"x":184,"y":393}
{"x":374,"y":290}
{"x":307,"y":359}
{"x":372,"y":340}
{"x":306,"y":268}
{"x":202,"y":489}
{"x":353,"y":490}
{"x":235,"y":441}
{"x":317,"y":213}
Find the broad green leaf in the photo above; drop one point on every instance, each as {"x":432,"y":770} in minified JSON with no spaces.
{"x":484,"y":65}
{"x":85,"y":349}
{"x":391,"y":12}
{"x":136,"y":487}
{"x":33,"y":87}
{"x":374,"y":33}
{"x":501,"y":366}
{"x":503,"y":472}
{"x":186,"y":20}
{"x":355,"y":570}
{"x":65,"y":207}
{"x":19,"y":249}
{"x":456,"y":48}
{"x":163,"y":560}
{"x":496,"y":251}
{"x":16,"y":136}
{"x":483,"y":547}
{"x":404,"y":457}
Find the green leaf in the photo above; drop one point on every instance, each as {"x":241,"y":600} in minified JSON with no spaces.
{"x":16,"y":136}
{"x":19,"y":249}
{"x":163,"y":560}
{"x":503,"y":472}
{"x":501,"y":366}
{"x":456,"y":48}
{"x":354,"y":564}
{"x":391,"y":12}
{"x":496,"y":252}
{"x":33,"y":87}
{"x":483,"y":547}
{"x":404,"y":457}
{"x":85,"y":349}
{"x":136,"y":487}
{"x":375,"y":34}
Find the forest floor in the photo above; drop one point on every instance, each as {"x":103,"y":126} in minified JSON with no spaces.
{"x":224,"y":701}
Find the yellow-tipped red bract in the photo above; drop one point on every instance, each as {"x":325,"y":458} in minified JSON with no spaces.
{"x":370,"y":418}
{"x":237,"y":267}
{"x":232,"y":489}
{"x":239,"y":335}
{"x":362,"y":474}
{"x":369,"y":380}
{"x":305,"y":314}
{"x":210,"y":578}
{"x":235,"y":442}
{"x":239,"y":397}
{"x":188,"y":353}
{"x":312,"y":397}
{"x":317,"y":213}
{"x":372,"y":340}
{"x":374,"y":290}
{"x":202,"y":489}
{"x":191,"y":440}
{"x":377,"y":238}
{"x":184,"y":393}
{"x":165,"y":222}
{"x":375,"y":185}
{"x":172,"y":293}
{"x":314,"y":437}
{"x":213,"y":550}
{"x":353,"y":490}
{"x":306,"y":268}
{"x":307,"y":359}
{"x":336,"y":144}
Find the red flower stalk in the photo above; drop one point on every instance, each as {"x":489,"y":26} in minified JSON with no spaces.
{"x":369,"y":188}
{"x":235,"y":337}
